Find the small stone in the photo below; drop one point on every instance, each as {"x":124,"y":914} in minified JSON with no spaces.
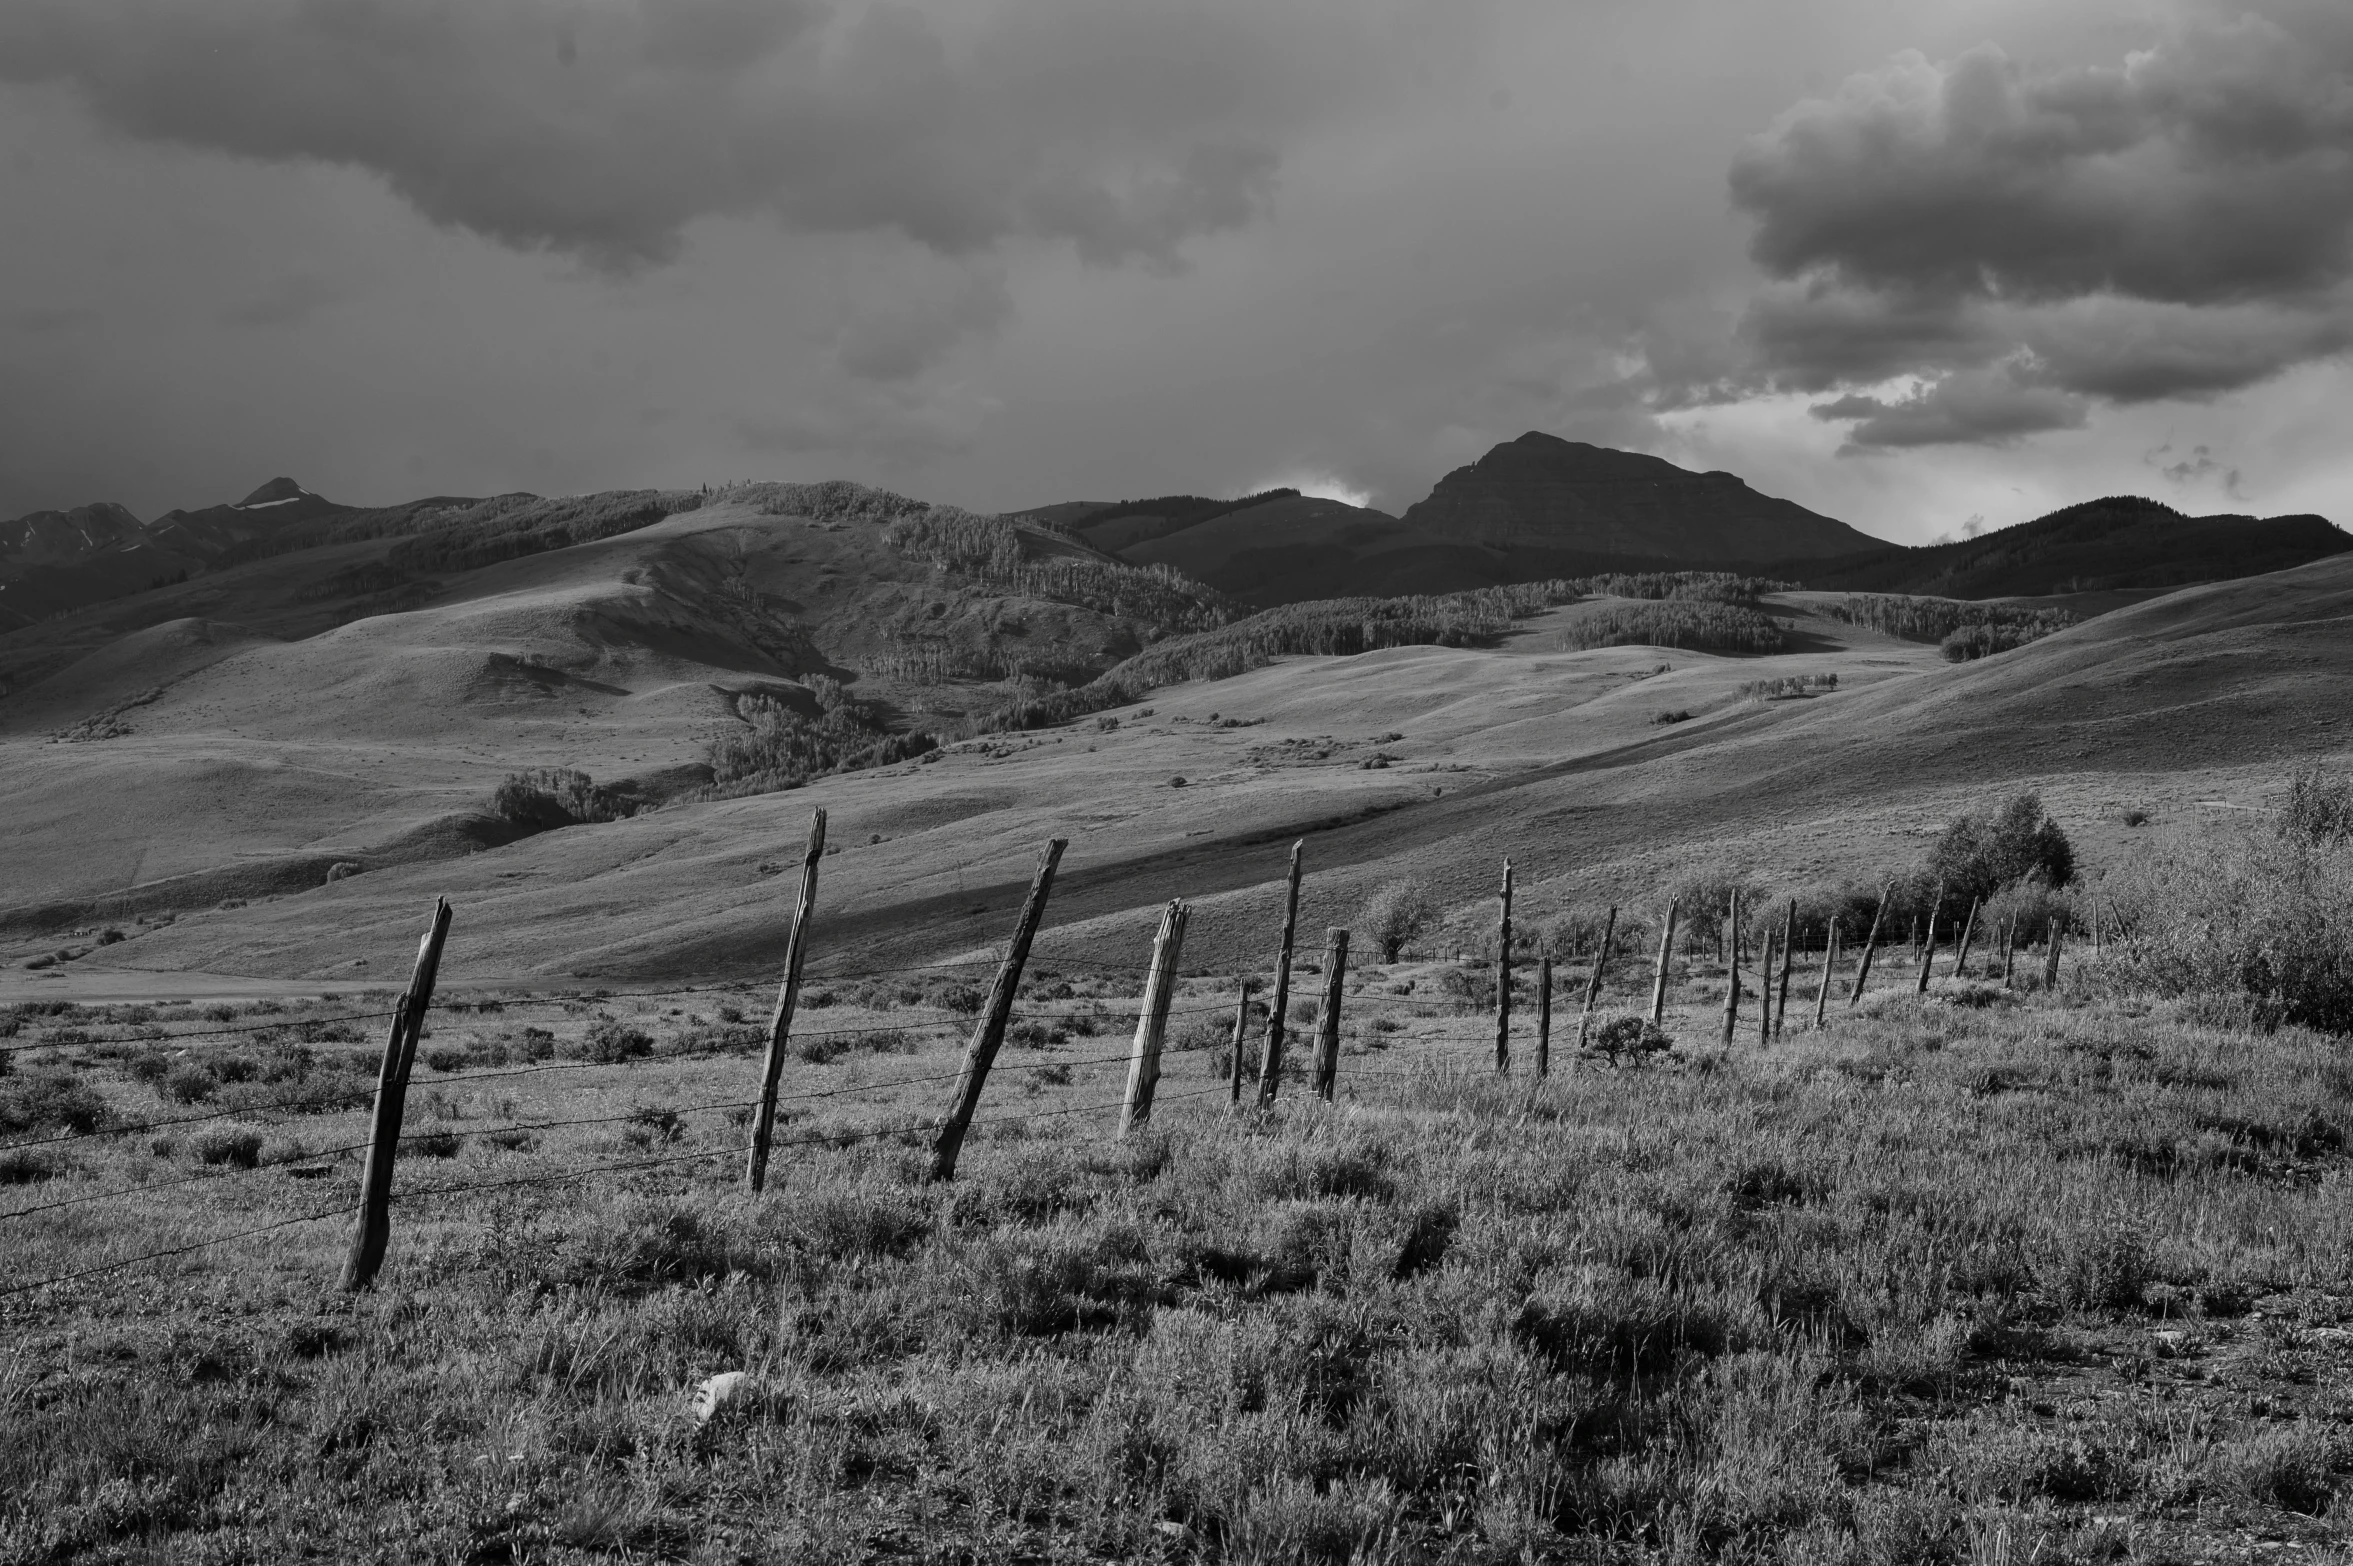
{"x":730,"y":1386}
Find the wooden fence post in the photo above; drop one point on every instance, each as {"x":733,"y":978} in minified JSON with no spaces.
{"x":1270,"y":1063}
{"x":989,"y":1032}
{"x":1729,"y":944}
{"x":2009,"y":949}
{"x":1601,"y":961}
{"x":1829,"y":967}
{"x":1143,"y":1065}
{"x":1658,"y":984}
{"x":2051,"y":956}
{"x":788,"y":997}
{"x":1241,"y":1026}
{"x":1788,"y":952}
{"x":1870,"y":946}
{"x":1543,"y":1017}
{"x":1765,"y":992}
{"x":1327,"y":1022}
{"x":1503,"y":977}
{"x":1968,"y":933}
{"x":1928,"y":952}
{"x":373,"y":1230}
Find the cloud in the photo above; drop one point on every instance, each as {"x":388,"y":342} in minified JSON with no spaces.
{"x":2200,"y":465}
{"x":2021,"y":242}
{"x":1977,"y":407}
{"x":604,"y":130}
{"x":915,"y":325}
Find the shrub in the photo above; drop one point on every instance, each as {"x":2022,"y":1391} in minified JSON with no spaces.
{"x":445,"y":1058}
{"x":2319,"y":809}
{"x":188,"y":1083}
{"x":435,"y":1142}
{"x":50,"y":1101}
{"x":22,"y":1166}
{"x":1396,"y":914}
{"x":2264,"y":915}
{"x":610,"y":1040}
{"x":238,"y":1149}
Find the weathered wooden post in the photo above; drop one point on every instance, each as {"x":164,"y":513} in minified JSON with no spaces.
{"x":1928,"y":952}
{"x":1729,"y":941}
{"x":373,"y":1229}
{"x":1241,"y":1026}
{"x":1143,"y":1065}
{"x":2009,"y":949}
{"x":1601,"y":962}
{"x":2051,"y":956}
{"x":988,"y":1034}
{"x":1327,"y":1022}
{"x":1765,"y":991}
{"x":1270,"y":1064}
{"x":788,"y":997}
{"x":1829,"y":967}
{"x":1658,"y":983}
{"x":1968,"y":932}
{"x":1788,"y":952}
{"x":1503,"y":976}
{"x":1870,"y":945}
{"x":1544,"y":1016}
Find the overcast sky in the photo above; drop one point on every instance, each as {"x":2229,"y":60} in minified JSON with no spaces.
{"x":1920,"y":264}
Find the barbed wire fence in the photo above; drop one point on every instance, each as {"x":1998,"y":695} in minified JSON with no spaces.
{"x":1248,"y":1085}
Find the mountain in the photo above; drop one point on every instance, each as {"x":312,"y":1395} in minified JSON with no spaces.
{"x":2120,"y":543}
{"x":1531,"y":508}
{"x":1547,"y":496}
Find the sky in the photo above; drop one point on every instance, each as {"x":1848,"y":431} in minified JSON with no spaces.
{"x":1928,"y":266}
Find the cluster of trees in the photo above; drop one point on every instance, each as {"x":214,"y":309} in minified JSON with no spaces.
{"x":1964,"y":630}
{"x":512,"y":526}
{"x":1721,"y":587}
{"x":1693,"y":626}
{"x":1789,"y":685}
{"x":1331,"y":626}
{"x":549,"y":797}
{"x":783,"y":744}
{"x":992,"y":551}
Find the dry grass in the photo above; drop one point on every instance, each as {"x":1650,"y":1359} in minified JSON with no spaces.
{"x":2020,"y":1281}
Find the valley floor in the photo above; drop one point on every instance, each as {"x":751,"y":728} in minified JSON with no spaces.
{"x":1989,"y":1276}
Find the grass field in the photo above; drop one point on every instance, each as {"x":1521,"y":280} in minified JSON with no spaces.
{"x":1985,"y":1277}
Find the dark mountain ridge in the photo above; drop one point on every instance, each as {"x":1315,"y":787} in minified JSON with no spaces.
{"x":2119,"y":542}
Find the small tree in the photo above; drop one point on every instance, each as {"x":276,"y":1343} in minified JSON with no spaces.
{"x":1396,"y":914}
{"x":1979,"y":855}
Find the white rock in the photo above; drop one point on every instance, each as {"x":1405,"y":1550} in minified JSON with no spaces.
{"x":729,"y":1386}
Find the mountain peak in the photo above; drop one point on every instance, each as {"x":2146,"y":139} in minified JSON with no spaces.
{"x":275,"y":493}
{"x":1593,"y":503}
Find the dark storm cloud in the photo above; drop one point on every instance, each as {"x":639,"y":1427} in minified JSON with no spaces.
{"x":603,"y":130}
{"x":2027,"y":240}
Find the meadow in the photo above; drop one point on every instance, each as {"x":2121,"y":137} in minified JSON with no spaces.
{"x":1998,"y":1274}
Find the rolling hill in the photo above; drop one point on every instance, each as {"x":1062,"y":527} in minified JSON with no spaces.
{"x":2123,"y":543}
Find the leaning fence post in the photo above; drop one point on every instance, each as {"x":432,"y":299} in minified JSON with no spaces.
{"x":2051,"y":956}
{"x":1658,"y":984}
{"x":2009,"y":949}
{"x":1143,"y":1066}
{"x":1241,"y":1026}
{"x":1270,"y":1064}
{"x":1829,"y":967}
{"x":1968,"y":932}
{"x":1503,"y":977}
{"x":989,"y":1032}
{"x":373,"y":1230}
{"x":1870,"y":946}
{"x":1788,"y":953}
{"x":1601,"y":960}
{"x":1765,"y":992}
{"x":788,"y":996}
{"x":1928,"y":952}
{"x":1729,"y":944}
{"x":1544,"y":1016}
{"x":1327,"y":1022}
